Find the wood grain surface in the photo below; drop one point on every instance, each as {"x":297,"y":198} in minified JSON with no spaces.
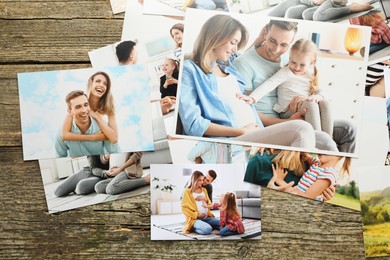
{"x":52,"y":35}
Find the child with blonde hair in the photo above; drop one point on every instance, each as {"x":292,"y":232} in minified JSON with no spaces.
{"x":168,"y":81}
{"x":298,"y":79}
{"x":324,"y":172}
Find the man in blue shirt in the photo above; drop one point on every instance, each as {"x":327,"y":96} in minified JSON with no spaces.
{"x":82,"y":123}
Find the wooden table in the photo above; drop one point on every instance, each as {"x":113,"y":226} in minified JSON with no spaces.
{"x":52,"y":35}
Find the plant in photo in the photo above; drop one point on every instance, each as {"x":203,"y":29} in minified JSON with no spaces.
{"x":163,"y":185}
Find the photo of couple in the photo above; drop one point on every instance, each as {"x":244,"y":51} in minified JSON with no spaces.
{"x":287,"y":89}
{"x":203,"y":202}
{"x":85,"y":112}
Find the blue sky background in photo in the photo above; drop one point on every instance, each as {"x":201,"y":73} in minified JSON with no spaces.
{"x":43,"y":108}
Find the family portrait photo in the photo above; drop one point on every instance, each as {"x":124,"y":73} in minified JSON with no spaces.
{"x":85,"y":112}
{"x":203,"y":202}
{"x":277,"y":83}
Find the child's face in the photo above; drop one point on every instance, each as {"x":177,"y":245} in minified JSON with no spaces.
{"x":299,"y":63}
{"x":324,"y":158}
{"x":167,"y":66}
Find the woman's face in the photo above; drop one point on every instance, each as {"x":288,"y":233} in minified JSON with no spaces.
{"x":99,"y":85}
{"x":167,"y":66}
{"x":177,"y":35}
{"x":224,"y":52}
{"x":199,"y":182}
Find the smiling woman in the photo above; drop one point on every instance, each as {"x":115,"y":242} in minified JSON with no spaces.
{"x":209,"y":88}
{"x":101,"y":104}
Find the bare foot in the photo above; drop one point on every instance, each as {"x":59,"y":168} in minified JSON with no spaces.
{"x":217,"y":233}
{"x":359,"y":7}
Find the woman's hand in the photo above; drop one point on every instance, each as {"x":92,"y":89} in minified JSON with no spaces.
{"x":296,"y":103}
{"x":249,"y":100}
{"x":201,"y":198}
{"x":94,"y":115}
{"x":318,"y":2}
{"x":204,"y":204}
{"x":250,"y":127}
{"x":279,"y":173}
{"x":113,"y":171}
{"x":99,"y":136}
{"x":328,"y":194}
{"x":201,"y":215}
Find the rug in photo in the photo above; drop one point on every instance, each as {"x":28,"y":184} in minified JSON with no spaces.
{"x":85,"y":112}
{"x":203,"y":202}
{"x":308,"y":74}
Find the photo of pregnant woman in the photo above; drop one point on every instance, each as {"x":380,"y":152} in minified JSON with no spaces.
{"x":281,"y":92}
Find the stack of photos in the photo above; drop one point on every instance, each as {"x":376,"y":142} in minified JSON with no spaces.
{"x":203,"y":103}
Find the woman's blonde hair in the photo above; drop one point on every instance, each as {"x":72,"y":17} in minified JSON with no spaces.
{"x":290,"y":160}
{"x":217,"y":31}
{"x":194,"y":177}
{"x":229,"y":204}
{"x":303,"y":46}
{"x":106,"y":102}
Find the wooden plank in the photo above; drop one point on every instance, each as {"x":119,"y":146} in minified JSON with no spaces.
{"x":291,"y":226}
{"x":55,"y":41}
{"x":56,"y":9}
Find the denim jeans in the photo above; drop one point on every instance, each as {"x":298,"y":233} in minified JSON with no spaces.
{"x":205,"y":226}
{"x":225,"y":231}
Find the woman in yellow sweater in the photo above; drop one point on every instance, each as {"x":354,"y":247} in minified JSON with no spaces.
{"x":198,"y":218}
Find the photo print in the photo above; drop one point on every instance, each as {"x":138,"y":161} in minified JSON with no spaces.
{"x":258,"y":98}
{"x":203,"y":202}
{"x":85,"y":112}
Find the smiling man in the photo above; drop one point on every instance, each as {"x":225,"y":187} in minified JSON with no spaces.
{"x":263,"y":60}
{"x":82,"y":123}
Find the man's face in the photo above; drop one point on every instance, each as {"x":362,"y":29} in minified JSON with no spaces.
{"x":277,"y":42}
{"x":207,"y":180}
{"x":79,"y":109}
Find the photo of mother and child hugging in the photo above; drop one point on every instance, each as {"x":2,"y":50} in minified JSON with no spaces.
{"x":76,"y":182}
{"x":258,"y":96}
{"x":196,"y":214}
{"x":314,"y":176}
{"x":74,"y":112}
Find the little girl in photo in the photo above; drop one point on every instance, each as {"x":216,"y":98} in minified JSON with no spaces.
{"x":168,"y":82}
{"x":298,"y":78}
{"x":323,"y":173}
{"x":230,"y":218}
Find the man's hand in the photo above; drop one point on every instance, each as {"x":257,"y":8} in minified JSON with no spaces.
{"x":300,"y":115}
{"x":296,"y":103}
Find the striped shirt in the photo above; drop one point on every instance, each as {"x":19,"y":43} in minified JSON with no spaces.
{"x":315,"y":173}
